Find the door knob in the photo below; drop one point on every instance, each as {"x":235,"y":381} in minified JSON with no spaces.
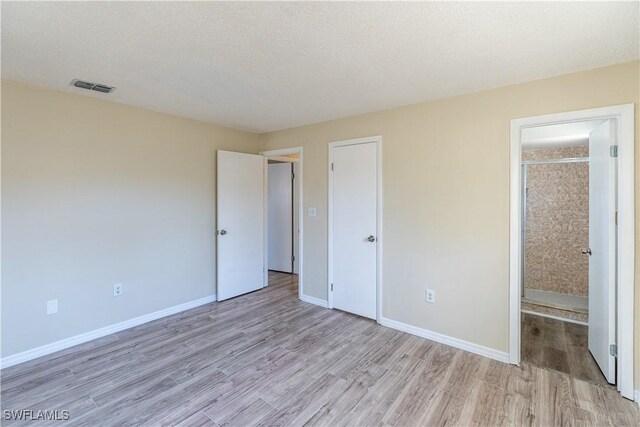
{"x":586,"y":251}
{"x":222,"y":232}
{"x":371,"y":239}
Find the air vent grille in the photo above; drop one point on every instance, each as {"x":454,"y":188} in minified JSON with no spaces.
{"x":98,"y":87}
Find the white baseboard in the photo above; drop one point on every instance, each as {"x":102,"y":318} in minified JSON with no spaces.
{"x":636,"y":396}
{"x":314,"y":300}
{"x":34,"y":353}
{"x":501,"y":356}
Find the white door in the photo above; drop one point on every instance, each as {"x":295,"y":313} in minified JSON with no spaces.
{"x":602,"y":242}
{"x":280,"y":217}
{"x":240,"y":224}
{"x":354,"y":222}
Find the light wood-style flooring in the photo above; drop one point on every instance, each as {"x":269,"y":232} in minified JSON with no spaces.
{"x":558,"y":345}
{"x":269,"y":359}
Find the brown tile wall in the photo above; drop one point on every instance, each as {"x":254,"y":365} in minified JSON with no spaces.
{"x":557,"y":223}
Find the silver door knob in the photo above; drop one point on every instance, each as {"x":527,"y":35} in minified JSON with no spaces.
{"x":371,"y":239}
{"x":222,"y":232}
{"x":586,"y":251}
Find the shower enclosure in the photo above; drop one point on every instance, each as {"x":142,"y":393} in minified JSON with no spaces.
{"x":555,"y":230}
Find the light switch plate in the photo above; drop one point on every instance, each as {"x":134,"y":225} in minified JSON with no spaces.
{"x":52,"y":306}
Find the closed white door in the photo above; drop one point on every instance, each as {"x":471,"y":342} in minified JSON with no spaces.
{"x":280,"y":217}
{"x":354,"y":224}
{"x":602,"y":242}
{"x":240,"y":224}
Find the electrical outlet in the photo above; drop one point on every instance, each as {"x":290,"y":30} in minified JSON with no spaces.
{"x":52,"y":306}
{"x":430,"y":296}
{"x":312,"y":211}
{"x":117,"y":290}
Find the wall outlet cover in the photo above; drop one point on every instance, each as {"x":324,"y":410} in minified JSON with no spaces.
{"x":430,"y":296}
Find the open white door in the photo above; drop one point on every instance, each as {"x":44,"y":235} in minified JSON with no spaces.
{"x":602,"y":242}
{"x":240,"y":223}
{"x":280,"y":217}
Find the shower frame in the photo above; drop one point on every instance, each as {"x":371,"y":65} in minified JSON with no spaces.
{"x":524,"y":165}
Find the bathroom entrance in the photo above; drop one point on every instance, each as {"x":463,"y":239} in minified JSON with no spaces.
{"x":568,"y":200}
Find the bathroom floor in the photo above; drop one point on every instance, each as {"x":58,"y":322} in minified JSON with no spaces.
{"x":558,"y":345}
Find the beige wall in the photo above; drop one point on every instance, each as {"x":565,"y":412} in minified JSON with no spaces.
{"x":96,"y":193}
{"x":446,"y":197}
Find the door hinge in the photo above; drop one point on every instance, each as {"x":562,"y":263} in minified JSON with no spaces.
{"x":332,"y":287}
{"x":616,"y":218}
{"x":293,"y":258}
{"x":613,"y":151}
{"x":613,"y":350}
{"x":332,"y":166}
{"x":293,"y":175}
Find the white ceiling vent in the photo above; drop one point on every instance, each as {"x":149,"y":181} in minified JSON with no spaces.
{"x":98,"y":87}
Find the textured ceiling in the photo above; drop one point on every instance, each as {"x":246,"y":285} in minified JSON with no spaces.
{"x":267,"y":66}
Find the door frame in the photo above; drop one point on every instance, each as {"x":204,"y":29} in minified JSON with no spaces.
{"x":625,"y":118}
{"x":332,"y":146}
{"x":273,"y":154}
{"x":289,"y":163}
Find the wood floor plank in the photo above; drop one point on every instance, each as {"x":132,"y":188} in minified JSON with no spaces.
{"x":250,"y":414}
{"x":554,"y":401}
{"x":385,"y":395}
{"x":445,"y":410}
{"x":561,"y":346}
{"x":267,"y":358}
{"x":197,"y":419}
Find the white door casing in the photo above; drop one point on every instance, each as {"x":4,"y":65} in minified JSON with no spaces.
{"x":280,"y":217}
{"x":240,"y":224}
{"x":624,"y":120}
{"x":602,"y":242}
{"x":296,"y":217}
{"x":354,"y":228}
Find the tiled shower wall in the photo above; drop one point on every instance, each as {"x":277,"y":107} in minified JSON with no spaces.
{"x":557,"y":222}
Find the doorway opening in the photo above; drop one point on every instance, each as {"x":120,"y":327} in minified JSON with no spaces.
{"x":242,"y":223}
{"x":283,"y":204}
{"x":571,"y":251}
{"x":560,"y":220}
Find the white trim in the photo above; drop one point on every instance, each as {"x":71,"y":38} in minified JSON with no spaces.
{"x":46,"y":349}
{"x":314,"y":300}
{"x":515,"y":249}
{"x":551,"y":316}
{"x":625,"y":118}
{"x":379,"y":240}
{"x":299,"y":176}
{"x":637,"y":397}
{"x":491,"y":353}
{"x":265,"y":222}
